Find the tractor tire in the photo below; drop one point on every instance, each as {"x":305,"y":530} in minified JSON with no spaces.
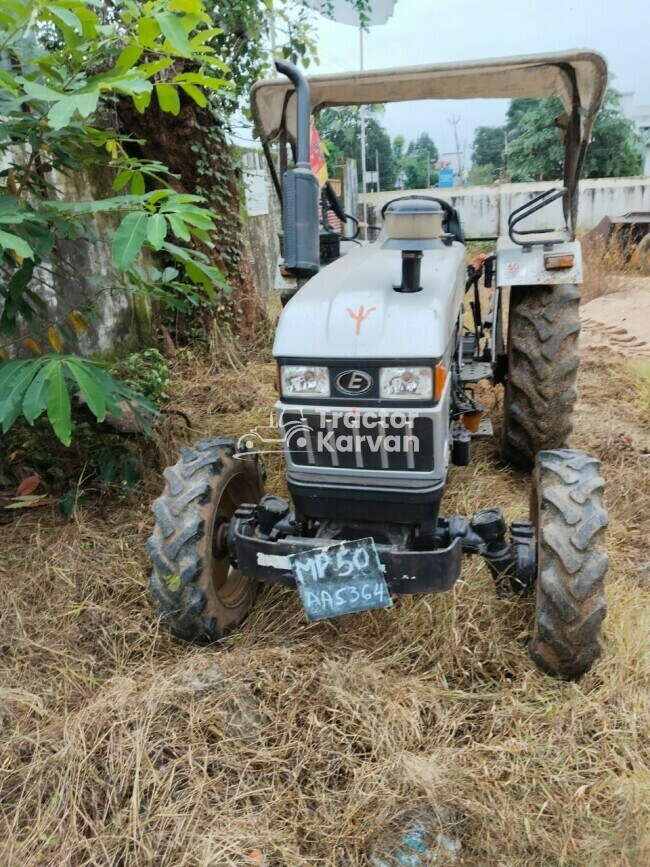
{"x":543,"y":359}
{"x":643,"y":254}
{"x":568,"y":514}
{"x":198,"y":594}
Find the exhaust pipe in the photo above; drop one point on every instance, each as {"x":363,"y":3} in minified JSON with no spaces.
{"x":300,"y":189}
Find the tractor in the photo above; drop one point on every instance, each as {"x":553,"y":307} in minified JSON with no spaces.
{"x":379,"y":347}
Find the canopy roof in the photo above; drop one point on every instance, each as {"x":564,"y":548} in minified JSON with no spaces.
{"x":577,"y":77}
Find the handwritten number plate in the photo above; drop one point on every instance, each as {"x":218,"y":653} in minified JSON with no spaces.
{"x":340,"y":579}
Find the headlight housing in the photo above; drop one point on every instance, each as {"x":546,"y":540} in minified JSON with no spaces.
{"x":300,"y":380}
{"x":406,"y":383}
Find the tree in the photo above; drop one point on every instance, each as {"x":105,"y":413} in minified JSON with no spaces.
{"x":482,"y":175}
{"x":489,"y":142}
{"x":423,"y":144}
{"x":614,"y":150}
{"x":399,"y":143}
{"x":536,"y":151}
{"x":418,"y":162}
{"x":340,"y":130}
{"x":67,"y":64}
{"x":516,"y":110}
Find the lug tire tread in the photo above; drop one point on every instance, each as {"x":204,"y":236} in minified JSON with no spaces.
{"x":180,"y":545}
{"x":570,"y":604}
{"x":543,"y":361}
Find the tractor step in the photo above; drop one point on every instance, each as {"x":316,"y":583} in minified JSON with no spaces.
{"x":485,"y":430}
{"x":469,"y":348}
{"x":474,"y":371}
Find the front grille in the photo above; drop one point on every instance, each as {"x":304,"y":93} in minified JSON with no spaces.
{"x":401,"y":442}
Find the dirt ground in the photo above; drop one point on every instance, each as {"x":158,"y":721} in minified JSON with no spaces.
{"x":620,"y":322}
{"x":301,"y":744}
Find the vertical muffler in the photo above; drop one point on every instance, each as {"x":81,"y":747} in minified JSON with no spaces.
{"x":300,"y":189}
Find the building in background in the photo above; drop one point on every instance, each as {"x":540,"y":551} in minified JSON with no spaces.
{"x":638,"y":114}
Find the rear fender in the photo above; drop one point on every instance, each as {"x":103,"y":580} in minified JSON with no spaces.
{"x":522,"y":266}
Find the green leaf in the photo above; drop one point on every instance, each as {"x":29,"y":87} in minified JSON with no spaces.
{"x":148,"y":32}
{"x":201,"y":79}
{"x":169,"y":274}
{"x":58,"y":405}
{"x":128,"y":239}
{"x":156,"y":230}
{"x":18,"y":245}
{"x":122,"y":180}
{"x":35,"y":400}
{"x":90,"y":387}
{"x":13,"y":385}
{"x":61,"y":112}
{"x":178,"y":227}
{"x":65,"y":17}
{"x":86,"y":103}
{"x":129,"y":57}
{"x":141,"y":101}
{"x":155,"y":66}
{"x":174,"y":32}
{"x":168,"y":98}
{"x":39,"y":91}
{"x":137,"y":184}
{"x":197,"y":95}
{"x":132,"y":83}
{"x":19,"y":280}
{"x":203,"y":36}
{"x":9,"y":373}
{"x":191,"y":7}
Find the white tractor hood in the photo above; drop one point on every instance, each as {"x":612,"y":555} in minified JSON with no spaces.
{"x":350,"y":309}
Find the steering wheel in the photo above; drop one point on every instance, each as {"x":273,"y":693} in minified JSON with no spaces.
{"x":447,"y":209}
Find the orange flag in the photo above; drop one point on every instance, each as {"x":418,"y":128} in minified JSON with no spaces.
{"x":317,"y":159}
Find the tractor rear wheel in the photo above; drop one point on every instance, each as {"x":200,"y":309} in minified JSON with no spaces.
{"x":540,"y":388}
{"x":198,"y":594}
{"x":568,"y":514}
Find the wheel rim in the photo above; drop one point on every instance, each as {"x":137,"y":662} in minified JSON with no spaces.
{"x":230,"y":585}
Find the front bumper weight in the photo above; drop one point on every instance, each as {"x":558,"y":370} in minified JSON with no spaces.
{"x":405,"y":571}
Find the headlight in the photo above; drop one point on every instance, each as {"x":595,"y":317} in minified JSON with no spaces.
{"x":304,"y":381}
{"x":406,"y":383}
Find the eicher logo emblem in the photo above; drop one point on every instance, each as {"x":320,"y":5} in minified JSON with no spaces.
{"x":353,"y":382}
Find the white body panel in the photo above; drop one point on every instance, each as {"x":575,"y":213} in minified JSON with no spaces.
{"x":439,"y":415}
{"x":350,"y":310}
{"x":517,"y":266}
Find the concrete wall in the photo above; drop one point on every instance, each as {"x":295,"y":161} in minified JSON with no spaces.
{"x":81,"y":276}
{"x":263,"y":219}
{"x":485,"y":210}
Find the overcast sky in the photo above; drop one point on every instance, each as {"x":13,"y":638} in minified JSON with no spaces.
{"x":435,"y":31}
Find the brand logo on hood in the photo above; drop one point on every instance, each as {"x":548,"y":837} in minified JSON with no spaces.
{"x":353,"y":382}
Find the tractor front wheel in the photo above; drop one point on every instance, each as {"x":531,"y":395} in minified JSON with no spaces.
{"x":569,"y":517}
{"x":198,"y":593}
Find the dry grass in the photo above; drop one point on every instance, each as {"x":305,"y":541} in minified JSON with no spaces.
{"x":122,"y":747}
{"x":607,"y":267}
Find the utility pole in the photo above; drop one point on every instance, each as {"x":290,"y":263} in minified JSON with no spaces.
{"x":377,"y":169}
{"x":428,"y":170}
{"x":362,"y":114}
{"x":271,"y":15}
{"x":454,"y":120}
